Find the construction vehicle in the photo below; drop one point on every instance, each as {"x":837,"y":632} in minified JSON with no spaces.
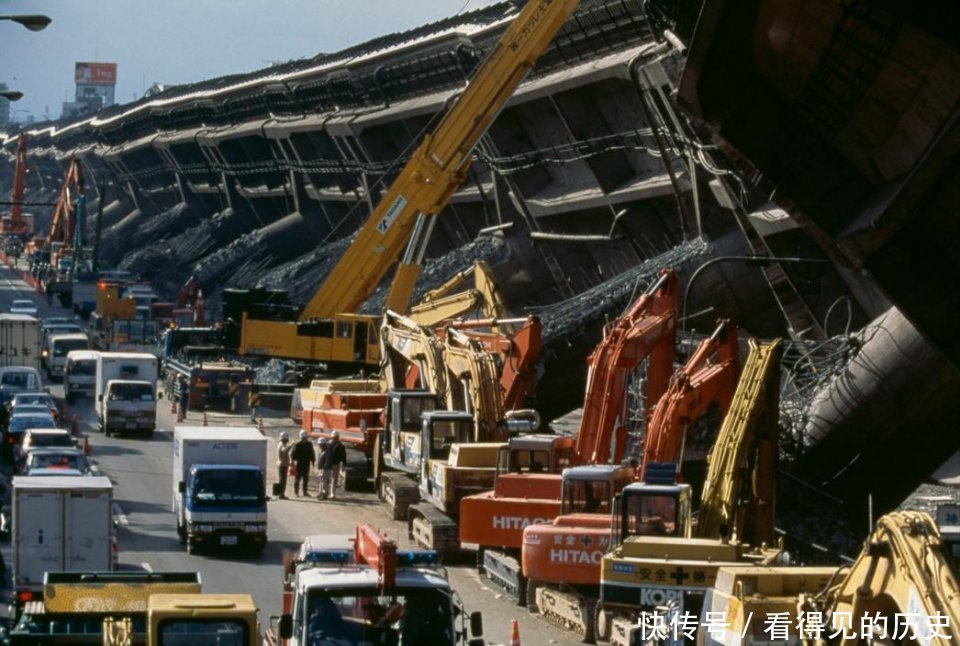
{"x":563,"y":578}
{"x":14,"y":224}
{"x":190,"y":310}
{"x":66,"y":235}
{"x":948,"y":522}
{"x":326,"y":329}
{"x":212,"y":385}
{"x":661,"y":559}
{"x":369,"y":592}
{"x":75,"y":605}
{"x":221,"y":619}
{"x":495,"y":520}
{"x":900,"y":589}
{"x":484,"y":299}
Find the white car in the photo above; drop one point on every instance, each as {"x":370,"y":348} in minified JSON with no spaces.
{"x":23,"y":306}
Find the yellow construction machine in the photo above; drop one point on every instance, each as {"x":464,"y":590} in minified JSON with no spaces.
{"x":899,"y":590}
{"x":327,"y":329}
{"x":668,"y":559}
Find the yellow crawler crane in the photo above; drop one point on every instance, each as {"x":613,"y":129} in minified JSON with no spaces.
{"x":899,"y":590}
{"x":680,"y":565}
{"x":327,"y":329}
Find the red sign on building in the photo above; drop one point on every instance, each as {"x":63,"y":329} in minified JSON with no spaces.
{"x":96,"y":73}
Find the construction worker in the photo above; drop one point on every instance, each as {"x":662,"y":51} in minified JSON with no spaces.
{"x":303,"y":456}
{"x":337,"y":458}
{"x":324,"y":465}
{"x":283,"y":463}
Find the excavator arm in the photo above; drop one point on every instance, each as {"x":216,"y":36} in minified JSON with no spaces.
{"x":439,"y":305}
{"x":63,"y":224}
{"x":747,"y":443}
{"x":902,"y":572}
{"x":516,"y":354}
{"x":435,"y":171}
{"x":412,"y":357}
{"x":708,"y":377}
{"x":646,"y":331}
{"x":474,"y":384}
{"x":19,"y":188}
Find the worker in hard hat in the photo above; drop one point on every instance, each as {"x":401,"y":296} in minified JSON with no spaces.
{"x":336,"y":459}
{"x":283,"y":463}
{"x":303,"y":456}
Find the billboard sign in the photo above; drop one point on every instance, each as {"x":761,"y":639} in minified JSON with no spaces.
{"x":96,"y":73}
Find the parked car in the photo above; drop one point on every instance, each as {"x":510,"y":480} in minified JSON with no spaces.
{"x":56,"y":460}
{"x":35,"y":399}
{"x":46,"y":437}
{"x":18,"y":379}
{"x":23,"y":306}
{"x":18,"y":425}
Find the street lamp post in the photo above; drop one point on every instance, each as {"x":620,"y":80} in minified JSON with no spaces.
{"x":33,"y":22}
{"x":758,"y":261}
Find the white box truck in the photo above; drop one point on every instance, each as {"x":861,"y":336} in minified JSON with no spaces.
{"x":19,"y":341}
{"x":219,"y":487}
{"x":60,"y":524}
{"x":126,"y":392}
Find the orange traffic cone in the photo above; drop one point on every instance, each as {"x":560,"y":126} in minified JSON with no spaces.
{"x":86,"y":445}
{"x":205,"y":418}
{"x":515,"y":634}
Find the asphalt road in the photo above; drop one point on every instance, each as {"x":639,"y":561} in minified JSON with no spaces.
{"x":141,"y":471}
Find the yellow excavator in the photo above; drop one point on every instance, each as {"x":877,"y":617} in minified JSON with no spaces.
{"x":901,"y":589}
{"x":665,"y":558}
{"x":483,"y":298}
{"x":328,"y":330}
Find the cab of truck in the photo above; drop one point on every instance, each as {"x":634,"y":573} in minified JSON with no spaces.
{"x":58,"y":347}
{"x":80,"y":374}
{"x":222,"y":619}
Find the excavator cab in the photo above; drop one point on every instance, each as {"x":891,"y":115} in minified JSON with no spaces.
{"x":535,"y":454}
{"x":441,"y":429}
{"x":405,"y":409}
{"x":645,"y":509}
{"x":591,"y":489}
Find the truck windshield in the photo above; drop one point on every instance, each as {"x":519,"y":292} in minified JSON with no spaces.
{"x":86,"y":368}
{"x":179,"y":632}
{"x":61,"y":348}
{"x":131,"y":392}
{"x":224,"y":485}
{"x":410,"y":616}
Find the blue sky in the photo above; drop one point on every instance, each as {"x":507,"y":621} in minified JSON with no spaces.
{"x":178,"y":41}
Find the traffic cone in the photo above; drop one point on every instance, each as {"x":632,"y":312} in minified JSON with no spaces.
{"x":205,"y":418}
{"x":86,"y":445}
{"x":515,"y":634}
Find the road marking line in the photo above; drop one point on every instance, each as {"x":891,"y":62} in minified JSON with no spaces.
{"x":146,"y":566}
{"x":119,"y":515}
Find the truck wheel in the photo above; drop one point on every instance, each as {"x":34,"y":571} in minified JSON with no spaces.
{"x":181,"y":533}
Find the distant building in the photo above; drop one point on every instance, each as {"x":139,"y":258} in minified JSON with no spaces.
{"x":76,"y":108}
{"x":95,"y":85}
{"x":4,"y":106}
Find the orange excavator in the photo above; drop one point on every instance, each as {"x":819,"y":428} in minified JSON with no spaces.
{"x":70,"y":207}
{"x":561,"y":559}
{"x":527,"y":488}
{"x":16,"y":225}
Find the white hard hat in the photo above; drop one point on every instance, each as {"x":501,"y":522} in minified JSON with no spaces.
{"x":335,"y":435}
{"x":284,"y":436}
{"x":303,"y":434}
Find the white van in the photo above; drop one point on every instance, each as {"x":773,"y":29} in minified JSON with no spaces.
{"x":58,"y":346}
{"x":80,"y":375}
